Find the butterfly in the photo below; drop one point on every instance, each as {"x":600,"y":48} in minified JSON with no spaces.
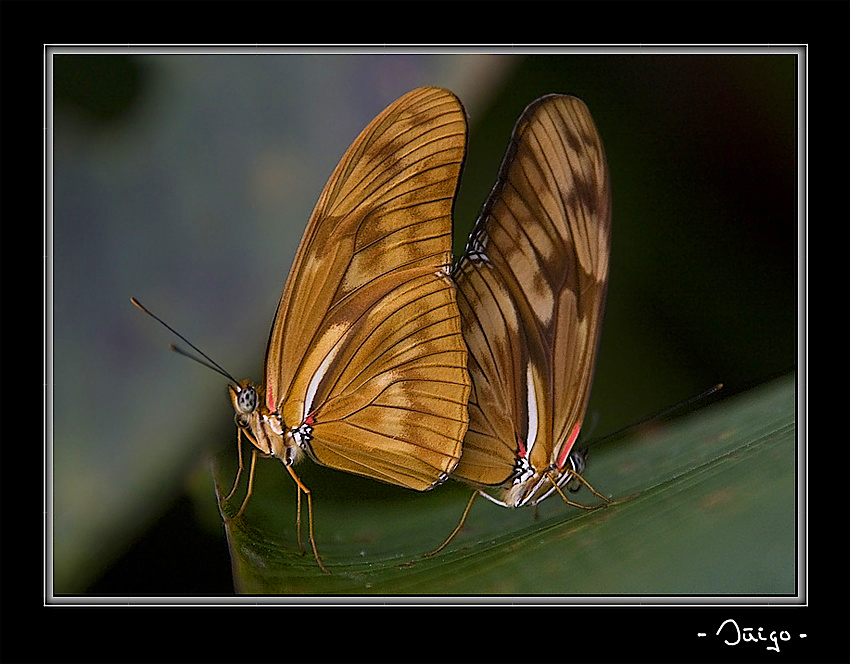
{"x":531,"y":291}
{"x":365,"y":369}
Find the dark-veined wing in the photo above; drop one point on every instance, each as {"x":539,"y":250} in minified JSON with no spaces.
{"x":366,"y":346}
{"x":532,"y":286}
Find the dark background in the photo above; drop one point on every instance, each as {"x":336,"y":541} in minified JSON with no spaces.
{"x":704,"y":272}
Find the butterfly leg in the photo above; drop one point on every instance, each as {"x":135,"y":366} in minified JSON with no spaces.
{"x":572,"y":503}
{"x":306,"y":491}
{"x":590,"y":486}
{"x":238,"y":472}
{"x":298,"y":519}
{"x":456,"y":530}
{"x":254,"y":454}
{"x":250,"y":484}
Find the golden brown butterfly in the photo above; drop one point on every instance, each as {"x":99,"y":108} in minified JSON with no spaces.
{"x":365,"y":369}
{"x":531,"y":292}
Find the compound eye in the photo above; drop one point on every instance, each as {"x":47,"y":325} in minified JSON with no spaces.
{"x":242,"y":420}
{"x":246,"y":402}
{"x":578,"y":460}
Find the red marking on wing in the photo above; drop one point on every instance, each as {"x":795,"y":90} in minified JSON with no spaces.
{"x":565,"y":450}
{"x":310,"y":421}
{"x":522,"y":451}
{"x":271,"y":400}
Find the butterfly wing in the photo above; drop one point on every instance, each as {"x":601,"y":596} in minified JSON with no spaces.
{"x":532,"y":286}
{"x":366,"y":347}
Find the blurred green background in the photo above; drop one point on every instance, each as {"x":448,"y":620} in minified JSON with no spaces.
{"x":186,"y":180}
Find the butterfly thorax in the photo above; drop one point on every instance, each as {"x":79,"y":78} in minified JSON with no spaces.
{"x":265,"y":428}
{"x":529,"y":485}
{"x":528,"y":488}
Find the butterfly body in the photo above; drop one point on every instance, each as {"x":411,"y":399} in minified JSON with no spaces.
{"x":528,"y":484}
{"x":267,"y":431}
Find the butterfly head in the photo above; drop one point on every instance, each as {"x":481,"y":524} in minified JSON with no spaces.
{"x":264,"y":429}
{"x":577,"y":461}
{"x":245,"y":400}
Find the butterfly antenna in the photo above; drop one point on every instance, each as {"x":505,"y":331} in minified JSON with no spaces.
{"x":663,"y":413}
{"x":204,"y":359}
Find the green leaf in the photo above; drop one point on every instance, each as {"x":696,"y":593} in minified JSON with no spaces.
{"x":704,"y":505}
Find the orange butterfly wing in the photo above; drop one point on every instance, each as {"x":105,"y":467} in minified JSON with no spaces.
{"x":366,"y":346}
{"x":532,"y":286}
